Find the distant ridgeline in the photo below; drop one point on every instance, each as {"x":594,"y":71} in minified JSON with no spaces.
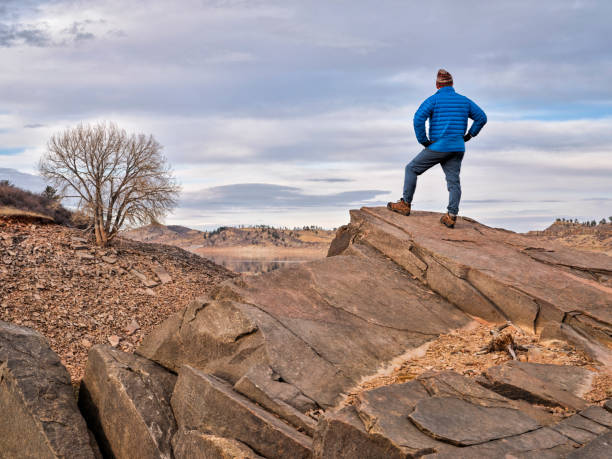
{"x":564,"y":227}
{"x":589,"y":235}
{"x":564,"y":221}
{"x":262,"y":235}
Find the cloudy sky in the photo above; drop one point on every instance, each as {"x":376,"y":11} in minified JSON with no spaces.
{"x":292,"y":112}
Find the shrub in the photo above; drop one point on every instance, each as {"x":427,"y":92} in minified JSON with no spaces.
{"x":12,"y":196}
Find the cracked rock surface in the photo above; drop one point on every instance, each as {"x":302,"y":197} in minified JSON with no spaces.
{"x":462,"y":423}
{"x":189,"y":444}
{"x":208,"y":404}
{"x":284,"y":365}
{"x":447,"y":415}
{"x":126,"y":402}
{"x":261,"y":358}
{"x":40,"y":417}
{"x":320,"y":326}
{"x":494,"y":274}
{"x":554,"y":385}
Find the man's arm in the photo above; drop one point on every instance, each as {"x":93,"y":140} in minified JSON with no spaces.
{"x":421,"y":115}
{"x":480,"y":119}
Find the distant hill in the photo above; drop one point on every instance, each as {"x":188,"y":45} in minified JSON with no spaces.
{"x":260,"y":236}
{"x":30,"y":182}
{"x":597,"y":238}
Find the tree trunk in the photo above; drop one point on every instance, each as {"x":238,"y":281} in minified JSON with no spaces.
{"x":101,"y":236}
{"x":97,"y":231}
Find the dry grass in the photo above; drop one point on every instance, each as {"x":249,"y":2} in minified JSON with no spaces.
{"x":12,"y":197}
{"x":458,"y":351}
{"x":589,"y":238}
{"x":22,"y":214}
{"x":320,"y":237}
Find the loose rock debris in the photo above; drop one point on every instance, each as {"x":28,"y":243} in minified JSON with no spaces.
{"x":54,"y":280}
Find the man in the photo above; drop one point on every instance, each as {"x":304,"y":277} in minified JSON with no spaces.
{"x":448,"y":114}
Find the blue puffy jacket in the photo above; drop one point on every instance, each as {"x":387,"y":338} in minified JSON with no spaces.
{"x":448,"y":114}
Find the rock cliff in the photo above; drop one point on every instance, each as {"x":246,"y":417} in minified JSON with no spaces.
{"x":495,"y":274}
{"x":263,"y":366}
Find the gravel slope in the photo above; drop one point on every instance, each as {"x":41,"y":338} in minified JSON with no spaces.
{"x":54,"y":280}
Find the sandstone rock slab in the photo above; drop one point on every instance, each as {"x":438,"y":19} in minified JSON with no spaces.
{"x":126,"y":401}
{"x":213,"y":335}
{"x":320,"y":326}
{"x":451,"y":384}
{"x":599,"y":415}
{"x":191,"y":444}
{"x":580,"y":429}
{"x":205,"y":403}
{"x":554,"y":385}
{"x":440,"y":413}
{"x":377,"y":425}
{"x":385,"y":410}
{"x":342,"y":435}
{"x":263,"y":386}
{"x":543,"y":443}
{"x":462,"y":423}
{"x":494,"y":273}
{"x":40,"y":417}
{"x":598,"y":448}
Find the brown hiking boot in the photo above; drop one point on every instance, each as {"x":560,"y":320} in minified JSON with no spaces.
{"x":448,"y":221}
{"x":401,"y":207}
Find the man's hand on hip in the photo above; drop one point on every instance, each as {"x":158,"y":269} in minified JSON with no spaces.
{"x":427,"y":143}
{"x":467,"y":137}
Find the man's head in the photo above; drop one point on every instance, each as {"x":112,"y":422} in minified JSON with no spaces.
{"x":444,"y":79}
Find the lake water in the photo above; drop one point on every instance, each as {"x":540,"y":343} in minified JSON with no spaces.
{"x":254,"y":265}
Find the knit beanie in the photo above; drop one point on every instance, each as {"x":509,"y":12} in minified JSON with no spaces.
{"x":444,"y":78}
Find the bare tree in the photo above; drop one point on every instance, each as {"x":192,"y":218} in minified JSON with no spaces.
{"x":118,"y":178}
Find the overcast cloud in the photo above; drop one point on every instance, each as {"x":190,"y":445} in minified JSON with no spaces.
{"x":290,"y":112}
